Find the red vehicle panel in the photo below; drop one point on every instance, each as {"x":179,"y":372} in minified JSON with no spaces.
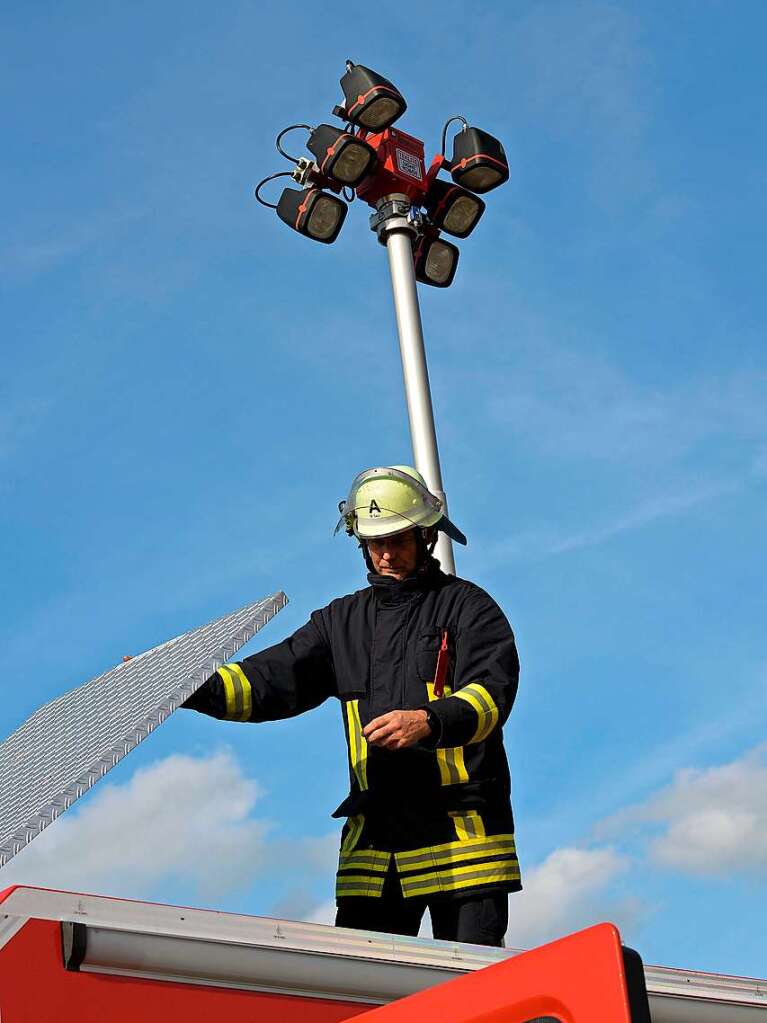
{"x":578,"y":979}
{"x":35,"y":988}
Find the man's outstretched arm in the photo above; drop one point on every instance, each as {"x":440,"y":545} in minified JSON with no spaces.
{"x":284,"y":680}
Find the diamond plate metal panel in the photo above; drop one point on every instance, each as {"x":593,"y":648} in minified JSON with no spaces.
{"x":67,"y":745}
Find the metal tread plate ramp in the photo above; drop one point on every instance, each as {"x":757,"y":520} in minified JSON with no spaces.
{"x":69,"y":744}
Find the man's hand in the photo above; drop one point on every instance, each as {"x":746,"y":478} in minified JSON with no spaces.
{"x":398,"y":729}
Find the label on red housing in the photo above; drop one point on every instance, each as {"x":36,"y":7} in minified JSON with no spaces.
{"x":409,"y":164}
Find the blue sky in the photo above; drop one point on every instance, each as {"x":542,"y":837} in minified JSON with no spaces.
{"x":188,"y":388}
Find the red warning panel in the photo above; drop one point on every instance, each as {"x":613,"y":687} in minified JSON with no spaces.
{"x":35,"y":988}
{"x":585,"y":978}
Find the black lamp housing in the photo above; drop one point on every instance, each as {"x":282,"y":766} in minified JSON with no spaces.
{"x":341,"y":155}
{"x":313,"y":213}
{"x":479,"y":162}
{"x":371,"y":101}
{"x":436,"y":261}
{"x":453,"y":209}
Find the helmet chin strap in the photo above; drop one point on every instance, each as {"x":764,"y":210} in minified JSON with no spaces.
{"x":427,"y":541}
{"x":366,"y":555}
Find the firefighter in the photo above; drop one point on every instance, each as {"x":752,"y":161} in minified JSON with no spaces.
{"x":425,"y":667}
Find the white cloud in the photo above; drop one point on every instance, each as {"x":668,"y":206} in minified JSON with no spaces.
{"x":31,"y":257}
{"x":713,"y":822}
{"x":182,"y":818}
{"x":325,"y":913}
{"x":561,"y":392}
{"x":570,"y":890}
{"x":550,"y":541}
{"x":183,"y":823}
{"x":568,"y":402}
{"x":303,"y":861}
{"x":651,"y":453}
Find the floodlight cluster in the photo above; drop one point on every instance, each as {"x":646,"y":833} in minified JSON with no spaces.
{"x":370,"y":159}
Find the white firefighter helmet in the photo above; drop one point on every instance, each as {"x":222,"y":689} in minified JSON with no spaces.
{"x":392,"y":499}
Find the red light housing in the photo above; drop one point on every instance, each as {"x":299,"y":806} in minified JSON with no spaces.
{"x":436,"y":261}
{"x":479,"y":162}
{"x":371,"y":101}
{"x":453,"y":209}
{"x":340,"y":155}
{"x":401,"y":168}
{"x":313,"y":213}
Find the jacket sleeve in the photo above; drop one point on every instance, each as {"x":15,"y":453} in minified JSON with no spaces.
{"x":284,"y":680}
{"x":485,"y":679}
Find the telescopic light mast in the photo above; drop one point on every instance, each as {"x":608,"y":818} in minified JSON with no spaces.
{"x":385,"y":167}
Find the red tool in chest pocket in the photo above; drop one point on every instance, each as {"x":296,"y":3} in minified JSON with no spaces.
{"x":443,"y":663}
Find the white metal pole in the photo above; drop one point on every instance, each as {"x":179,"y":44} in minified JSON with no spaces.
{"x":396,"y":232}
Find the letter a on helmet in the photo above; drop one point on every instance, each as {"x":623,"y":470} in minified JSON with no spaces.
{"x":389,"y":500}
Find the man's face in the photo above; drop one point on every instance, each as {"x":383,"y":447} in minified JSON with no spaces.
{"x":395,"y":556}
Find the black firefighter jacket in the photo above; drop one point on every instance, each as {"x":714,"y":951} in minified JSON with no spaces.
{"x":441,"y":809}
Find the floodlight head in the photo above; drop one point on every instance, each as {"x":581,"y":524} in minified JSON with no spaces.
{"x":453,"y":209}
{"x":435,"y":261}
{"x":341,"y":155}
{"x":479,"y":162}
{"x":371,"y":101}
{"x":313,"y":213}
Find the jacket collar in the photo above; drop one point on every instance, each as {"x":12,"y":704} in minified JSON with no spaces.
{"x":395,"y":591}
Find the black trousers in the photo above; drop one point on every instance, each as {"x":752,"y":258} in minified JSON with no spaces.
{"x":476,"y":919}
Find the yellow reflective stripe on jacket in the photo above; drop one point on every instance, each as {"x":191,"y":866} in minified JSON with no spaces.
{"x":358,"y":746}
{"x":468,"y":825}
{"x":356,"y":824}
{"x":455,"y":852}
{"x":456,"y":878}
{"x":487,"y":712}
{"x":449,"y":867}
{"x":452,"y":769}
{"x":238,"y":693}
{"x":359,"y":884}
{"x":361,"y":872}
{"x":365,"y":860}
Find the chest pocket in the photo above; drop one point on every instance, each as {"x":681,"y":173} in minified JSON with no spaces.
{"x":427,"y":651}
